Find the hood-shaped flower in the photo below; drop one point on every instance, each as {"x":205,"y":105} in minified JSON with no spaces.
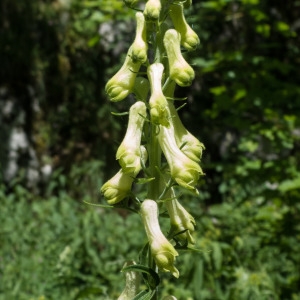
{"x":152,"y":10}
{"x":140,"y":45}
{"x":118,"y":187}
{"x":132,"y":283}
{"x":159,"y":110}
{"x":130,"y":151}
{"x":122,"y":83}
{"x":162,"y":250}
{"x":180,"y":71}
{"x":180,"y":219}
{"x":189,"y":38}
{"x":187,"y":143}
{"x":183,"y":170}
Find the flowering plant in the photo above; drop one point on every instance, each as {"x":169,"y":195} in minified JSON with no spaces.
{"x":156,"y":142}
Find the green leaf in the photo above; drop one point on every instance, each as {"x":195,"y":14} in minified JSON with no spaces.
{"x":289,"y":184}
{"x":120,"y":114}
{"x":146,"y":270}
{"x":144,"y":295}
{"x":144,"y":180}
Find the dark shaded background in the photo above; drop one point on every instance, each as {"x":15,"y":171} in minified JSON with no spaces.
{"x":58,"y":143}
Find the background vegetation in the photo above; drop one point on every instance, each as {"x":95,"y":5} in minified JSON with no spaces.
{"x":244,"y":106}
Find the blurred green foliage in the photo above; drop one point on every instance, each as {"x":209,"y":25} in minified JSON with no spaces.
{"x":244,"y":106}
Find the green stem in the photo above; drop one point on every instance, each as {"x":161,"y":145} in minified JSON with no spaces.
{"x":154,"y":163}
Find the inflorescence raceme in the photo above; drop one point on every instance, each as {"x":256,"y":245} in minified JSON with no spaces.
{"x":153,"y":67}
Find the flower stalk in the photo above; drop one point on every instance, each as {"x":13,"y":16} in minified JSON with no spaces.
{"x":157,"y":149}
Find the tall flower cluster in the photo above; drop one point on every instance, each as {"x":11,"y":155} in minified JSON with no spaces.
{"x":156,"y":142}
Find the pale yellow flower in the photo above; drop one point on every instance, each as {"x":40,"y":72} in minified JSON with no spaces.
{"x":130,"y":151}
{"x":152,"y":10}
{"x":180,"y":71}
{"x":162,"y":250}
{"x":122,"y":83}
{"x":184,"y":170}
{"x":139,"y":47}
{"x":158,"y":103}
{"x":189,"y":38}
{"x":180,"y":219}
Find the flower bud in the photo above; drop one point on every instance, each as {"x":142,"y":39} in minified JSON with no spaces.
{"x":187,"y":143}
{"x":141,"y":88}
{"x":162,"y":250}
{"x":132,"y":283}
{"x":159,"y":110}
{"x":118,"y":187}
{"x":180,"y":71}
{"x":122,"y":83}
{"x":140,"y":45}
{"x":189,"y":38}
{"x":180,"y":219}
{"x":183,"y":170}
{"x":152,"y":10}
{"x":129,"y":152}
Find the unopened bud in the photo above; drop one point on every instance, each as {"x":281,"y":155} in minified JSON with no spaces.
{"x":180,"y":71}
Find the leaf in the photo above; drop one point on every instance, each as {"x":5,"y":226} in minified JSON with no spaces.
{"x":144,"y":295}
{"x":146,"y":270}
{"x":290,"y":184}
{"x":98,"y":205}
{"x":144,"y":180}
{"x":120,"y":114}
